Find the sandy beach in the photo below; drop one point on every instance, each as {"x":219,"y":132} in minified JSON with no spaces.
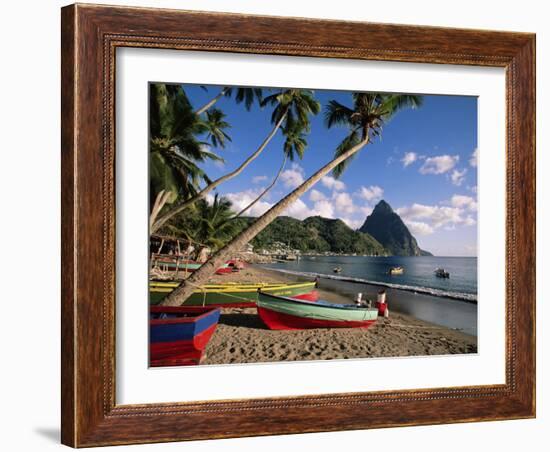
{"x":241,"y":337}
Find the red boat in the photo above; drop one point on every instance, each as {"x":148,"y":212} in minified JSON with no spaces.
{"x":235,"y":264}
{"x":283,"y":313}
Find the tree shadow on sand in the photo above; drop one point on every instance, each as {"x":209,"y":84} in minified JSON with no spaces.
{"x":242,"y":320}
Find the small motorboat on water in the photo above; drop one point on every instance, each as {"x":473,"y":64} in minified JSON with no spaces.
{"x":337,"y":269}
{"x":396,"y":270}
{"x":441,"y":273}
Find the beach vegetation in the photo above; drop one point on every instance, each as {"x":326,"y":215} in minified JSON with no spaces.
{"x":291,"y":110}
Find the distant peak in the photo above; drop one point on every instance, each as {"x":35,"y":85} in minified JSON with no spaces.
{"x":383,"y":206}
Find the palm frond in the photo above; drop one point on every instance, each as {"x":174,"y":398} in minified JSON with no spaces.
{"x":351,"y":140}
{"x":337,"y":114}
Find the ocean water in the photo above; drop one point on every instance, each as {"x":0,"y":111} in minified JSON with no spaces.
{"x":418,"y":273}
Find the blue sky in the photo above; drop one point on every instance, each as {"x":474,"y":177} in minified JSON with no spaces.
{"x":424,"y":166}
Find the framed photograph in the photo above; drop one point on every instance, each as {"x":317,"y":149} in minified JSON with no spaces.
{"x":281,"y":225}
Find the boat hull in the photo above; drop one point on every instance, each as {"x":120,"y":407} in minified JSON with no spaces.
{"x":174,"y":265}
{"x":279,"y":321}
{"x":180,"y":341}
{"x":282,"y":313}
{"x":234,"y":295}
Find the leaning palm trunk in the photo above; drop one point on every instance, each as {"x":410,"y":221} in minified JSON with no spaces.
{"x":160,"y":201}
{"x":199,"y":278}
{"x":263,"y":193}
{"x":211,"y":102}
{"x":180,"y":207}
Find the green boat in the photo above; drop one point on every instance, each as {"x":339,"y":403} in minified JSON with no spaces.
{"x":181,"y":266}
{"x":283,"y":313}
{"x":233,"y":294}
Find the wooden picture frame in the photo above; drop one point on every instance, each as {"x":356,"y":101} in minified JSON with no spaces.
{"x":90,"y":36}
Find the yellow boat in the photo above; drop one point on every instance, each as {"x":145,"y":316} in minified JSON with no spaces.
{"x":233,"y":294}
{"x":396,"y":271}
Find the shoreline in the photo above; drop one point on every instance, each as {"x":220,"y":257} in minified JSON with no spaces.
{"x":435,"y":309}
{"x":241,"y":337}
{"x":464,"y":297}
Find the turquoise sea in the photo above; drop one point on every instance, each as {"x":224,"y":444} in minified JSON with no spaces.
{"x":418,"y":273}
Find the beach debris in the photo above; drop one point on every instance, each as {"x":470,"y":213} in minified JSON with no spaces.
{"x":362,"y":303}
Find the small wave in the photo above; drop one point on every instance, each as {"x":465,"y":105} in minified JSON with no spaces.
{"x":471,"y":298}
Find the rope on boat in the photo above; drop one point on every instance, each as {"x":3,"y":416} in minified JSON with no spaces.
{"x":203,"y":290}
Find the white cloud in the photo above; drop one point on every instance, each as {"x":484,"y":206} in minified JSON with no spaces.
{"x":259,"y":179}
{"x":435,"y":216}
{"x":353,"y":224}
{"x":439,"y":164}
{"x":316,"y":195}
{"x":469,"y":221}
{"x":464,"y":201}
{"x":457,"y":177}
{"x":409,"y":158}
{"x":332,"y":183}
{"x":366,"y":210}
{"x":343,"y":203}
{"x":242,"y":199}
{"x":371,"y":194}
{"x":298,"y":210}
{"x":323,"y":208}
{"x":419,"y":228}
{"x":293,"y":177}
{"x":473,"y":158}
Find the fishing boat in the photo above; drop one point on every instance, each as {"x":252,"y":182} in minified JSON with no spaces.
{"x":396,"y":270}
{"x":441,"y":273}
{"x":177,"y":264}
{"x":178,"y":335}
{"x":232,"y":294}
{"x":283,"y":313}
{"x":235,"y":264}
{"x":171,"y":263}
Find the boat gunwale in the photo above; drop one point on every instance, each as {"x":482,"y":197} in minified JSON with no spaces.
{"x":209,"y":310}
{"x":243,"y":289}
{"x":317,"y":304}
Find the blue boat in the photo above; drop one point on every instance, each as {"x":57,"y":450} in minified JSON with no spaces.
{"x":178,"y":335}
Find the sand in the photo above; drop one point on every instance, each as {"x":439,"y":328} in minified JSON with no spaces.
{"x":241,"y":337}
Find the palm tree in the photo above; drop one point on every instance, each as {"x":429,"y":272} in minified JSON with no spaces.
{"x":206,"y":225}
{"x":295,"y":145}
{"x":175,"y":150}
{"x":292,"y":108}
{"x":214,"y":227}
{"x":364,"y":120}
{"x":246,"y":95}
{"x":215,"y":126}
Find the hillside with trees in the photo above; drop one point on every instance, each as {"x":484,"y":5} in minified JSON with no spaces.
{"x":317,"y":235}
